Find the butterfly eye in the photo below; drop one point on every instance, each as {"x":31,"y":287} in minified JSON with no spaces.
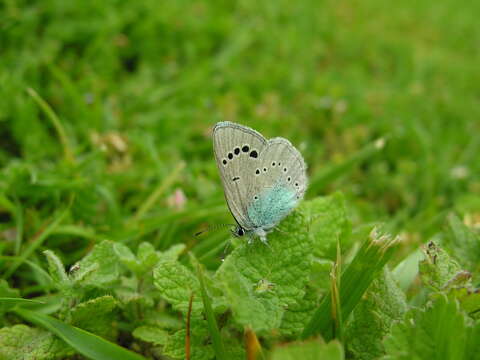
{"x":236,"y":151}
{"x":240,"y":232}
{"x":245,"y":148}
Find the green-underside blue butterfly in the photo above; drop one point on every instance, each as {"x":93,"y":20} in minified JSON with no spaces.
{"x":263,"y":180}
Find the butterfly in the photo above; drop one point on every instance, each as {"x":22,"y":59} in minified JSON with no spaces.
{"x":263,"y":180}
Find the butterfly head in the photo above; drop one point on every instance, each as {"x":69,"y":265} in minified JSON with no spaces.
{"x":238,"y":231}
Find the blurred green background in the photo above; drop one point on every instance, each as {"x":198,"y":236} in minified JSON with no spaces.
{"x":382,"y":99}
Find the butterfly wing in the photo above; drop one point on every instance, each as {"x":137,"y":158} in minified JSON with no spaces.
{"x":237,"y":152}
{"x":281,"y":182}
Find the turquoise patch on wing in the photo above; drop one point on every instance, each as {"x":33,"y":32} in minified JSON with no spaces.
{"x":272,"y":206}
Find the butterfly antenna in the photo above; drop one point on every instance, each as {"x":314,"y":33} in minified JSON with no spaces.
{"x":213,"y":227}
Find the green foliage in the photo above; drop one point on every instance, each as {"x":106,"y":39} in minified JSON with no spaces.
{"x":309,"y":350}
{"x":464,"y":243}
{"x":354,"y":281}
{"x":151,"y":334}
{"x":96,"y":315}
{"x":176,"y":283}
{"x":382,"y":305}
{"x":438,"y":332}
{"x":285,"y":264}
{"x":100,"y":268}
{"x":175,"y":346}
{"x":106,"y":172}
{"x":21,"y":342}
{"x":438,"y":270}
{"x":328,"y":224}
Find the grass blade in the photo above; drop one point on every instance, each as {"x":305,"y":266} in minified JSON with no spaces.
{"x":87,"y":344}
{"x":57,"y":124}
{"x":36,"y":243}
{"x":19,"y":301}
{"x":330,"y":173}
{"x":370,"y":259}
{"x":164,"y":185}
{"x":212,"y":324}
{"x":187,"y":337}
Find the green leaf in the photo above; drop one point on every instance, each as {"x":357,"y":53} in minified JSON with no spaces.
{"x":173,"y":252}
{"x":100,"y":268}
{"x":87,"y":344}
{"x":96,"y":316}
{"x":200,"y":349}
{"x":382,"y":305}
{"x":309,"y":350}
{"x":151,"y":334}
{"x":469,"y":300}
{"x":355,"y":280}
{"x":21,"y":342}
{"x":126,"y":257}
{"x":147,"y":256}
{"x":297,"y":315}
{"x":57,"y":271}
{"x":211,"y":321}
{"x":284,"y":265}
{"x":328,"y":223}
{"x":438,"y":270}
{"x":145,"y":260}
{"x":439,"y":332}
{"x":464,"y":243}
{"x":176,"y":283}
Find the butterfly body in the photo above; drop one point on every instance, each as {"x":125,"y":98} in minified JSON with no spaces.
{"x":263,"y":180}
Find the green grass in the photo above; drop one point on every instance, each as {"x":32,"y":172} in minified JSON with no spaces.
{"x":106,"y":110}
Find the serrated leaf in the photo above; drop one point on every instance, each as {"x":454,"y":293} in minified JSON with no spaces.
{"x":285,"y":264}
{"x":469,"y":300}
{"x":96,"y":316}
{"x":297,"y":315}
{"x":126,"y":257}
{"x":439,"y":332}
{"x":464,"y":243}
{"x":176,"y":283}
{"x":328,"y":223}
{"x":173,"y":252}
{"x":57,"y":271}
{"x":438,"y":270}
{"x":309,"y":350}
{"x":100,"y":268}
{"x":151,"y":334}
{"x":147,"y":256}
{"x":200,"y":349}
{"x":383,"y":304}
{"x":21,"y":342}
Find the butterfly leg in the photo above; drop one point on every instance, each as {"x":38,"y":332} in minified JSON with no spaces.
{"x":264,"y":240}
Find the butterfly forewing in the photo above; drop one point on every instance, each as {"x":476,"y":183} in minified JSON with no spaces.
{"x":237,"y":150}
